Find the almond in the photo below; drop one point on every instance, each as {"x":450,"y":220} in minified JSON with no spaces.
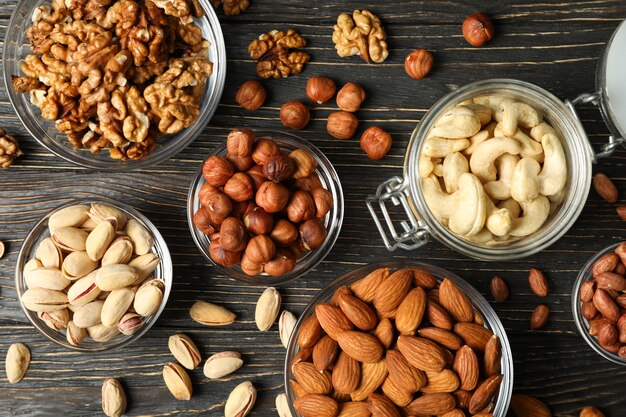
{"x":463,"y":398}
{"x":372,"y":376}
{"x":484,"y":393}
{"x":297,"y":389}
{"x":363,"y":347}
{"x":332,"y":319}
{"x":311,"y":380}
{"x":611,"y":281}
{"x":384,"y":332}
{"x":474,"y":335}
{"x":591,"y":411}
{"x":621,"y":212}
{"x":343,"y":290}
{"x":538,"y":282}
{"x":466,"y":365}
{"x":499,"y":289}
{"x":411,"y":311}
{"x":324,"y":353}
{"x":606,"y":263}
{"x":365,"y":288}
{"x":354,"y":409}
{"x":392,"y":290}
{"x":540,"y":317}
{"x":457,"y":412}
{"x":456,"y":302}
{"x":605,"y":188}
{"x":493,"y":356}
{"x":438,"y":316}
{"x":527,"y":406}
{"x":423,"y":278}
{"x":444,"y":381}
{"x":402,"y":373}
{"x":302,"y":356}
{"x":339,"y":397}
{"x":316,"y":406}
{"x":422,"y":353}
{"x":359,"y":313}
{"x":432,"y":404}
{"x":444,"y":337}
{"x":621,"y":252}
{"x":310,"y":332}
{"x":605,"y":305}
{"x":587,"y":289}
{"x":399,"y":395}
{"x":381,"y":406}
{"x":346,"y":374}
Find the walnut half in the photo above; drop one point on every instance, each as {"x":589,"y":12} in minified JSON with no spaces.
{"x":360,"y":34}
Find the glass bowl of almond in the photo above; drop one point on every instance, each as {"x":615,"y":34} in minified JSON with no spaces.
{"x":93,"y":275}
{"x":401,"y":338}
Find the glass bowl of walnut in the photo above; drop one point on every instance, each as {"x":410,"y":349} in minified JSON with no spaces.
{"x":114,"y":84}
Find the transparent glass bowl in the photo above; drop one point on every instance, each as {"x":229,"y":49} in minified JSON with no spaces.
{"x":163,"y":271}
{"x":582,"y":323}
{"x":333,"y":220}
{"x":492,"y":322}
{"x":16,"y":47}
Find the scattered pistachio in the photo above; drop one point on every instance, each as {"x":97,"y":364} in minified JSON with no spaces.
{"x":267,"y":309}
{"x":177,"y":381}
{"x":286,"y":323}
{"x":241,"y":400}
{"x":222,"y":364}
{"x":211,"y":314}
{"x":17,"y":361}
{"x":113,"y":398}
{"x":184,"y":350}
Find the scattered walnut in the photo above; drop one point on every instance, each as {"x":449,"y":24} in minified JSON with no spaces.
{"x":275,"y":56}
{"x":231,"y":7}
{"x":360,"y":34}
{"x":9,"y":149}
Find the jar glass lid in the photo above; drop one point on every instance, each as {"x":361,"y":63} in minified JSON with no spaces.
{"x":612,"y":81}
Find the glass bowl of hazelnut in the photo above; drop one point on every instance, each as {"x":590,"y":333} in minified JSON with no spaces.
{"x":265,"y":207}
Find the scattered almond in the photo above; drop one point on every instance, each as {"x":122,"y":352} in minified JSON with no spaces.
{"x":527,"y":406}
{"x":499,"y":289}
{"x":605,"y":188}
{"x":621,"y":212}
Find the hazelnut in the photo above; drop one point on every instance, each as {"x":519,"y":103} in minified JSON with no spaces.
{"x":218,"y":206}
{"x":350,"y":97}
{"x":222,"y":256}
{"x":205,"y":191}
{"x":301,"y":207}
{"x":279,"y":168}
{"x":418,"y":63}
{"x":320,"y":89}
{"x":272,"y":197}
{"x":239,"y":187}
{"x":240,"y":142}
{"x":284,"y":233}
{"x":251,"y":95}
{"x":323,"y":202}
{"x":309,"y":183}
{"x":375,"y":142}
{"x":260,"y":249}
{"x":202,"y":221}
{"x":241,"y":163}
{"x":304,"y":163}
{"x":295,"y":114}
{"x":258,"y":221}
{"x":249,"y":267}
{"x":233,"y":234}
{"x":257,"y":176}
{"x":263,"y":150}
{"x":241,"y":208}
{"x":478,"y":29}
{"x":283,"y":262}
{"x":342,"y":125}
{"x":312,"y":233}
{"x":217,"y":170}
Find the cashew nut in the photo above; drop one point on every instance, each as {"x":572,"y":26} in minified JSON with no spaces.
{"x":501,"y":189}
{"x":529,"y":146}
{"x":525,"y":184}
{"x":540,"y":130}
{"x":483,"y":158}
{"x":484,"y":236}
{"x":483,"y":112}
{"x":516,"y":114}
{"x":480,"y":137}
{"x":457,"y":123}
{"x":454,"y":165}
{"x":512,"y":206}
{"x":535,"y":214}
{"x":438,"y":170}
{"x":553,"y":176}
{"x":499,"y":220}
{"x":492,"y":101}
{"x":425,"y":166}
{"x":437,"y":147}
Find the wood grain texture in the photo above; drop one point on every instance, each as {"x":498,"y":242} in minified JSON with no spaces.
{"x":554,"y":44}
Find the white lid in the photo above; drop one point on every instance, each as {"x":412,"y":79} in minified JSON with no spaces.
{"x":612,"y":79}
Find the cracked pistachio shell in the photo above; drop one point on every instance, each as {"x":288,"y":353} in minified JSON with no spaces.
{"x":77,"y":265}
{"x":141,"y":238}
{"x":101,"y":212}
{"x":145,"y":265}
{"x":113,"y":398}
{"x":48,"y":278}
{"x":241,"y":400}
{"x":56,"y":320}
{"x":177,"y":381}
{"x":74,"y":334}
{"x":32,"y":264}
{"x":99,"y":239}
{"x":69,"y":239}
{"x":41,"y":299}
{"x":116,"y":305}
{"x":149,"y":297}
{"x":72,"y":216}
{"x":102,"y":333}
{"x":211,"y":314}
{"x":17,"y":362}
{"x":130,"y":323}
{"x":89,"y":314}
{"x":84,"y":290}
{"x":222,"y":364}
{"x":120,"y":252}
{"x":286,"y":323}
{"x":112,"y":277}
{"x":267,"y":309}
{"x":49,"y":254}
{"x":184,"y":350}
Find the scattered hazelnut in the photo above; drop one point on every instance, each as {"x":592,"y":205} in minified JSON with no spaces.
{"x":320,"y":89}
{"x":418,"y":63}
{"x":478,"y":29}
{"x":342,"y":125}
{"x":350,"y":97}
{"x":251,"y":95}
{"x":375,"y":142}
{"x":295,"y":114}
{"x":241,"y":163}
{"x":249,"y":267}
{"x":256,"y":174}
{"x":258,"y":221}
{"x":272,"y":197}
{"x":309,"y":183}
{"x":217,"y":170}
{"x":263,"y":150}
{"x":304,"y":163}
{"x":284,"y":261}
{"x":260,"y":249}
{"x":240,"y":142}
{"x":301,"y":207}
{"x":312,"y":233}
{"x":284,"y":233}
{"x":205,"y":191}
{"x":323,"y":201}
{"x":222,"y":256}
{"x":279,"y":168}
{"x":233,"y":235}
{"x":202,"y":221}
{"x":239,"y":187}
{"x":218,"y":207}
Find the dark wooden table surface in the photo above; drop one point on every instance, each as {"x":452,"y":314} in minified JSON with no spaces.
{"x":555,"y":44}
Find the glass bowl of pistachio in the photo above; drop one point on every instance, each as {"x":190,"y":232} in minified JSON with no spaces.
{"x":93,"y":275}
